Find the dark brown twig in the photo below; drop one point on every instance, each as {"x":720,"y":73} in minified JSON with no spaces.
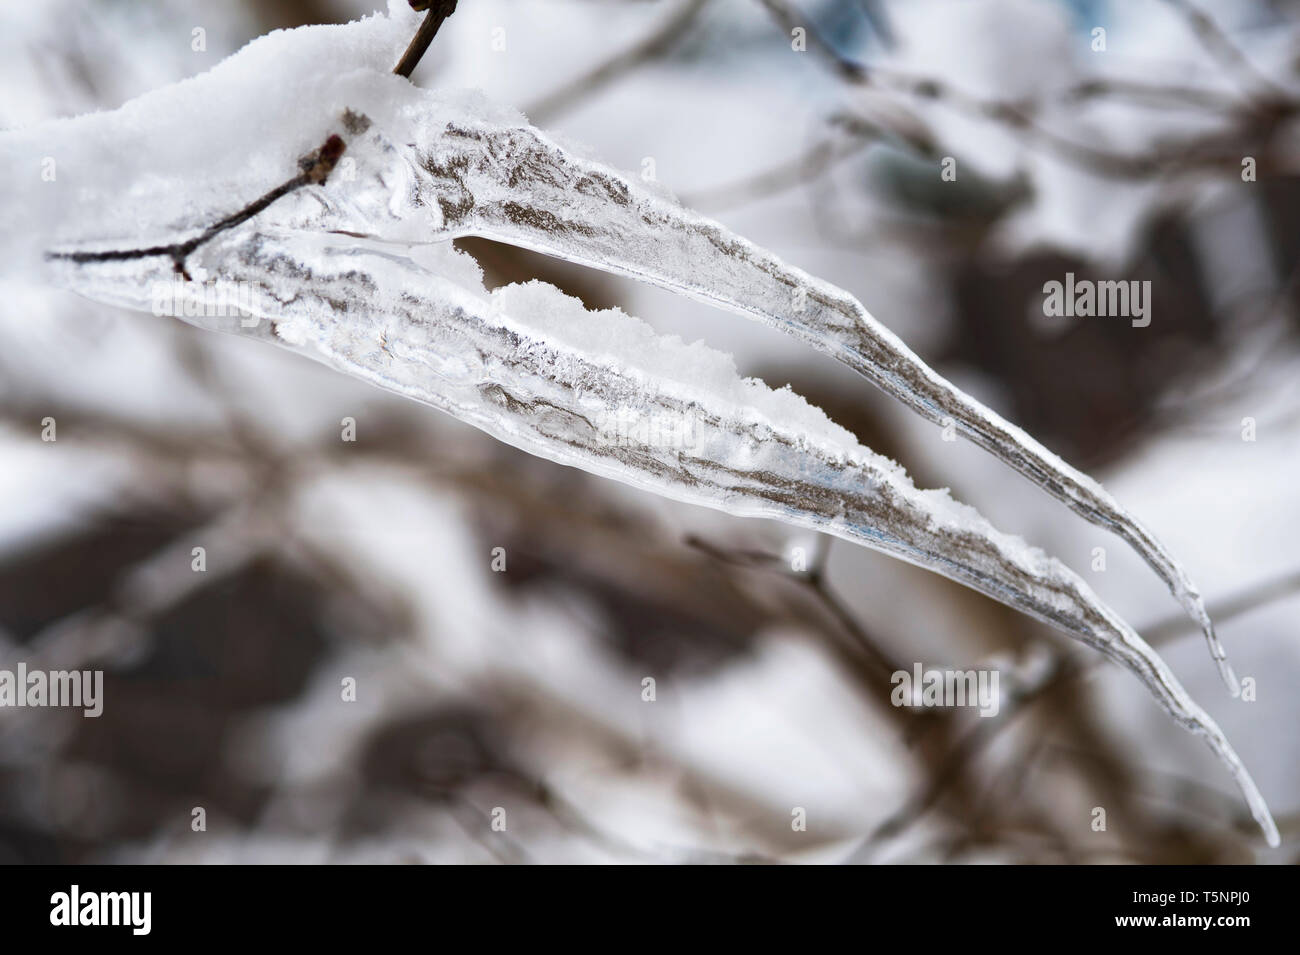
{"x":877,"y":661}
{"x":439,"y":10}
{"x":966,"y":748}
{"x":316,"y":168}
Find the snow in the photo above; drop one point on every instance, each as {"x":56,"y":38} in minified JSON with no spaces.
{"x":180,"y":153}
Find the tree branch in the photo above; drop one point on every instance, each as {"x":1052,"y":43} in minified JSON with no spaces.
{"x":439,"y":10}
{"x":316,"y":168}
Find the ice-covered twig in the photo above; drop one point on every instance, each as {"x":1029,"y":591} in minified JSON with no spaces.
{"x":314,"y":168}
{"x":530,"y":366}
{"x":438,"y":11}
{"x":358,"y":273}
{"x":511,"y":183}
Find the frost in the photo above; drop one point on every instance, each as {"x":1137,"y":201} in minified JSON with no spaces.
{"x":359,"y":273}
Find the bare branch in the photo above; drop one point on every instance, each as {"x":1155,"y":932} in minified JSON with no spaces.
{"x":1221,"y":47}
{"x":316,"y":168}
{"x":439,"y":10}
{"x":648,"y":48}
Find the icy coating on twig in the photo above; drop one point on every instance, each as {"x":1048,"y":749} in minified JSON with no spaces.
{"x":514,"y":185}
{"x":358,"y":273}
{"x":532,"y":367}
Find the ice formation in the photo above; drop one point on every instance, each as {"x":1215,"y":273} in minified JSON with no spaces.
{"x":358,"y":272}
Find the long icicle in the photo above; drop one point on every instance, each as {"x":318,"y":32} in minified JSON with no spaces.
{"x":514,"y":185}
{"x":520,"y":365}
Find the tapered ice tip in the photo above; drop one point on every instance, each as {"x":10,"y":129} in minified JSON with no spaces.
{"x":1221,"y":659}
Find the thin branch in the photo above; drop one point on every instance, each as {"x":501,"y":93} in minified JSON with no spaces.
{"x":879,"y":664}
{"x":316,"y":168}
{"x":648,"y":48}
{"x":1062,"y":672}
{"x":967,"y":747}
{"x":1217,"y":43}
{"x":779,"y":179}
{"x":439,"y":10}
{"x":1253,"y":598}
{"x":1200,"y":153}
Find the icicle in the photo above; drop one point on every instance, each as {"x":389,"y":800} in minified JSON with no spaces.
{"x":513,"y":184}
{"x":532,"y":367}
{"x":359,"y":274}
